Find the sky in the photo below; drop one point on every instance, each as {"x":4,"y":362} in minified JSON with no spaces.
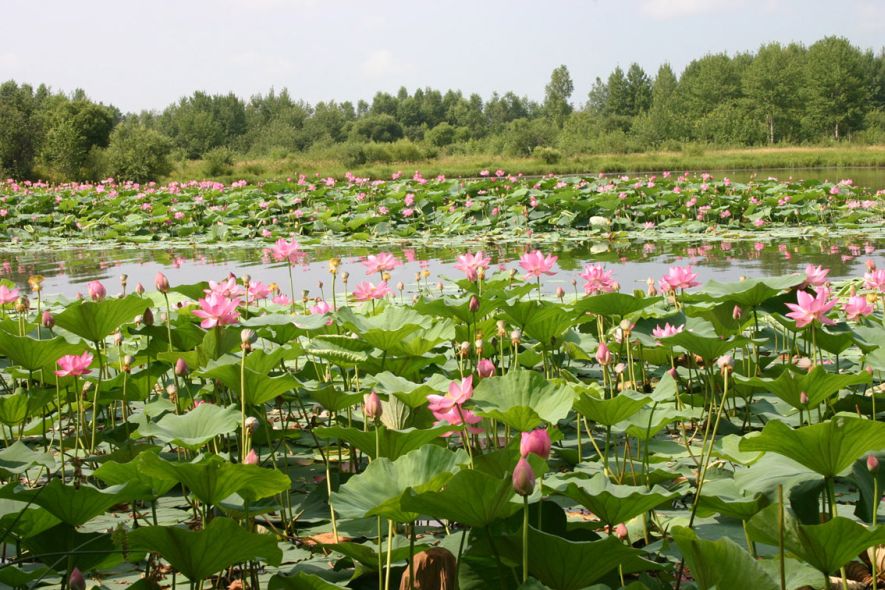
{"x":146,"y":54}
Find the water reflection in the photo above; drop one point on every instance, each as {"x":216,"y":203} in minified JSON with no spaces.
{"x":67,"y":270}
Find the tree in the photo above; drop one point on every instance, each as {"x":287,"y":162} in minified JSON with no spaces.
{"x":75,"y":128}
{"x":771,"y":82}
{"x":557,"y":94}
{"x":706,"y":83}
{"x":21,"y":129}
{"x":379,"y":128}
{"x":663,"y":121}
{"x":638,"y":90}
{"x":138,"y":153}
{"x":836,"y":91}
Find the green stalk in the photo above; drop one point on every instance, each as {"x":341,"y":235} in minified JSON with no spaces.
{"x":525,"y":539}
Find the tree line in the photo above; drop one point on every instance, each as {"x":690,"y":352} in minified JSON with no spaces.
{"x":781,"y":94}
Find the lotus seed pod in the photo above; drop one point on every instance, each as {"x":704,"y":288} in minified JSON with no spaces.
{"x":251,"y":424}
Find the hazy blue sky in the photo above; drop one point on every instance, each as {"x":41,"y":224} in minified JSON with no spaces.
{"x":146,"y":54}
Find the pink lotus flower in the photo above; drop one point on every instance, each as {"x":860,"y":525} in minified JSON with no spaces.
{"x":251,"y":458}
{"x":258,"y":291}
{"x":603,"y":354}
{"x":229,"y":288}
{"x":470,"y":264}
{"x":809,"y":308}
{"x":286,"y":250}
{"x":454,"y":417}
{"x":485,"y":368}
{"x":380,"y":262}
{"x":8,"y":295}
{"x":537,"y":441}
{"x":281,"y":300}
{"x":678,"y":277}
{"x":366,"y":291}
{"x":816,"y":276}
{"x":667,"y":330}
{"x":74,"y":365}
{"x":459,"y":392}
{"x":598,"y":280}
{"x":217,"y":310}
{"x":321,"y":308}
{"x":96,"y":290}
{"x":875,"y":279}
{"x":536,"y":264}
{"x":857,"y":307}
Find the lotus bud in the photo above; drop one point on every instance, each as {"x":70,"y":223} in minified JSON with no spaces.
{"x":523,"y":478}
{"x":872,"y":463}
{"x":148,"y":317}
{"x":464,"y":349}
{"x":139,"y":288}
{"x":473,"y":304}
{"x":124,"y":279}
{"x":251,"y":458}
{"x":247,"y":279}
{"x":485,"y":368}
{"x":871,"y":264}
{"x":477,"y":345}
{"x":803,"y":398}
{"x":400,"y":286}
{"x":725,"y":363}
{"x":560,"y":293}
{"x":621,"y":531}
{"x":76,"y":581}
{"x":868,"y":369}
{"x":344,"y":276}
{"x":440,"y":286}
{"x":805,"y":363}
{"x":616,"y":286}
{"x":672,"y":372}
{"x":537,"y":441}
{"x":127,"y":363}
{"x":181,"y":368}
{"x":118,"y":338}
{"x":161,"y":283}
{"x":502,"y":328}
{"x":48,"y":319}
{"x":172,"y":391}
{"x":736,"y":313}
{"x":372,"y":406}
{"x":417,"y":277}
{"x":619,"y":368}
{"x":251,"y":424}
{"x":515,"y":337}
{"x":603,"y":355}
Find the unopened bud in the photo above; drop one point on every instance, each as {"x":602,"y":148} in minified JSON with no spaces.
{"x":161,"y":282}
{"x":560,"y":293}
{"x":181,"y":367}
{"x":473,"y":304}
{"x":139,"y":288}
{"x":872,"y":463}
{"x":803,"y":398}
{"x":118,"y":338}
{"x":736,"y":313}
{"x":48,"y":319}
{"x":251,"y":458}
{"x":148,"y":317}
{"x":372,"y":406}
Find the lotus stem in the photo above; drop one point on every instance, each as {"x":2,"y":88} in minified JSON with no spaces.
{"x":525,"y":539}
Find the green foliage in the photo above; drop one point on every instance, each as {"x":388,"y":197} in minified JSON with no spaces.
{"x":138,"y":153}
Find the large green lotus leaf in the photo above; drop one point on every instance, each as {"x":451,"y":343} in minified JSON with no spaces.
{"x":194,"y":291}
{"x":751,"y":293}
{"x":865,"y":480}
{"x":191,"y":430}
{"x":259,"y":387}
{"x":647,"y":422}
{"x":339,"y":349}
{"x":828,"y":448}
{"x":423,"y":341}
{"x":24,"y":519}
{"x":609,"y":412}
{"x":818,"y":384}
{"x":18,"y":458}
{"x":722,"y":496}
{"x":457,"y":307}
{"x":522,"y":399}
{"x":707,"y":348}
{"x":14,"y":577}
{"x":144,"y":484}
{"x":471,"y":497}
{"x":835,"y":339}
{"x":139,"y":384}
{"x":410,"y":393}
{"x":367,"y":555}
{"x":379,"y":489}
{"x":71,"y":505}
{"x":613,"y":304}
{"x":572,"y":565}
{"x":544,"y":321}
{"x":392,"y":443}
{"x":300,"y":581}
{"x":13,"y":408}
{"x":216,"y":343}
{"x":96,"y":320}
{"x":720,"y":316}
{"x":721,"y":564}
{"x":612,"y":503}
{"x":213,"y":479}
{"x":283,"y":328}
{"x":386,"y":330}
{"x":198,"y":555}
{"x":34,"y":355}
{"x":826,"y":546}
{"x":332,"y":398}
{"x":83,"y":550}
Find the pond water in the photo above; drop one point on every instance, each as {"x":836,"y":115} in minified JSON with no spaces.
{"x":870,"y":177}
{"x":68,"y":270}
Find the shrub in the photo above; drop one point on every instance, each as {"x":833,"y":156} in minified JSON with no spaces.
{"x":548,"y":155}
{"x":218,"y":161}
{"x":138,"y":153}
